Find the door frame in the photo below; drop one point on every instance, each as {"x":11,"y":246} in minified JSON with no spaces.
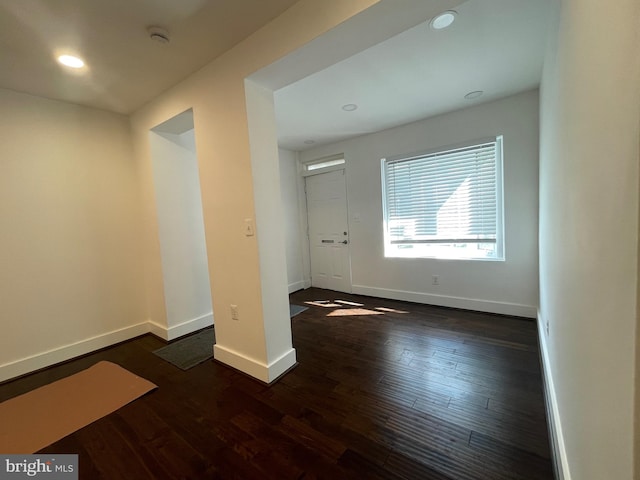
{"x":304,"y":216}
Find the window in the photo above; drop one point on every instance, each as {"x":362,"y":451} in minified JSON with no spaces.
{"x":445,"y":203}
{"x":324,"y":164}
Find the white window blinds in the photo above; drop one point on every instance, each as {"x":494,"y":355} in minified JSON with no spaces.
{"x":445,"y":197}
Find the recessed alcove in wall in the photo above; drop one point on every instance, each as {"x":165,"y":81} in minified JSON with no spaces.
{"x":187,"y":290}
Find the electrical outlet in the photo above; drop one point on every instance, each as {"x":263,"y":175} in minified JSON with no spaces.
{"x":435,"y":280}
{"x":234,"y":312}
{"x":547,"y":326}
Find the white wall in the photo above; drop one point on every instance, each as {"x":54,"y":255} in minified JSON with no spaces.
{"x":83,"y":266}
{"x":590,"y":125}
{"x":185,"y":271}
{"x":509,"y":287}
{"x":70,"y":253}
{"x":259,"y":343}
{"x":269,"y":226}
{"x":289,"y":179}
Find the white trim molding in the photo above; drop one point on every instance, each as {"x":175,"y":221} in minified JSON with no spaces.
{"x":253,"y":367}
{"x":502,"y":308}
{"x":63,"y":353}
{"x":181,"y":329}
{"x":72,"y":350}
{"x":558,"y":450}
{"x":294,"y":287}
{"x":282,"y":364}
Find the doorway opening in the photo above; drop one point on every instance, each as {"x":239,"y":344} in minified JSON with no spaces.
{"x":185,"y":271}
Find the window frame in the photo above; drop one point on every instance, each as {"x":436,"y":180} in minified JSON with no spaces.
{"x":390,"y":251}
{"x":316,"y":166}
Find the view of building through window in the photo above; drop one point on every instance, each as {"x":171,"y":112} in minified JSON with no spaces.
{"x":445,"y":204}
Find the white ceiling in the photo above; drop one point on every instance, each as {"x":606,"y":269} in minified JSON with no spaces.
{"x":495,"y":45}
{"x":125,"y":69}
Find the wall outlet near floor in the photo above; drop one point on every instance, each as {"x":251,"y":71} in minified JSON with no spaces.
{"x":235,"y":315}
{"x":435,"y":280}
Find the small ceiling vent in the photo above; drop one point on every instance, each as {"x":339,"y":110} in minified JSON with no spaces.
{"x":159,"y":35}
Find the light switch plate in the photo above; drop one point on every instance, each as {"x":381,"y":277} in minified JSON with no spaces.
{"x":248,"y":227}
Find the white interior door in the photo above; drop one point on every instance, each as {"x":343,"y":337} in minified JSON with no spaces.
{"x":328,"y":232}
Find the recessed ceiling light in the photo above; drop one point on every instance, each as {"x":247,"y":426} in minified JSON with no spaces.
{"x":443,"y":20}
{"x":71,"y":61}
{"x":474,"y":94}
{"x":349,"y":107}
{"x":309,"y":142}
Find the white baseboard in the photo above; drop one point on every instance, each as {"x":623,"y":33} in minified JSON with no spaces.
{"x":253,"y":367}
{"x":294,"y":287}
{"x":158,"y":330}
{"x":502,"y":308}
{"x":281,"y":364}
{"x":67,"y":352}
{"x":266,"y":373}
{"x":559,"y":452}
{"x":72,"y":350}
{"x":181,"y":329}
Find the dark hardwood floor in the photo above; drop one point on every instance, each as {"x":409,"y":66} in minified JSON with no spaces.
{"x":383,"y":390}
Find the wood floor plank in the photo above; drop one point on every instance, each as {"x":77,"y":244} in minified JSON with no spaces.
{"x":384,"y":389}
{"x":512,"y":462}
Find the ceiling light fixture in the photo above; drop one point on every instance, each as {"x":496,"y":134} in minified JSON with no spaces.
{"x":349,"y":107}
{"x":159,"y":35}
{"x":474,"y":94}
{"x":71,"y":61}
{"x":443,"y":20}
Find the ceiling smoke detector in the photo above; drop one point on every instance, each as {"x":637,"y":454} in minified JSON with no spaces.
{"x":473,"y":95}
{"x":158,"y":34}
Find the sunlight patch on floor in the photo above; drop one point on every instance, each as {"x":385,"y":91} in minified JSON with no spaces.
{"x":390,"y":310}
{"x":343,"y":312}
{"x":353,"y":304}
{"x":324,"y":303}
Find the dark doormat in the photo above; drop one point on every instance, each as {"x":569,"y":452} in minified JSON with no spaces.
{"x":195,"y":349}
{"x":296,"y":309}
{"x":190,"y":351}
